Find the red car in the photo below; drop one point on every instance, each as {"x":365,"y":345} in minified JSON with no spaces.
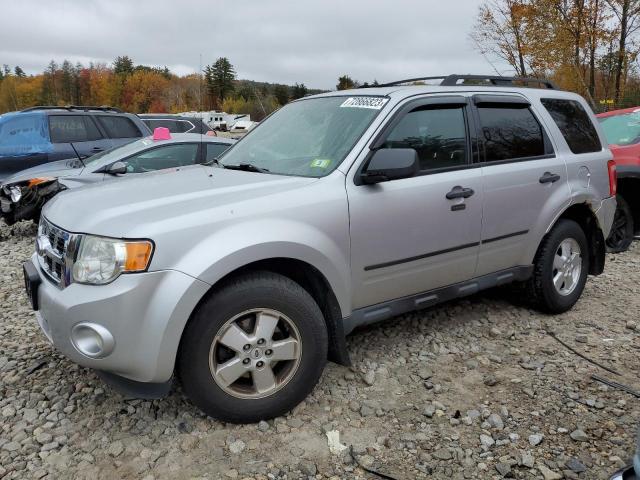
{"x":622,"y":129}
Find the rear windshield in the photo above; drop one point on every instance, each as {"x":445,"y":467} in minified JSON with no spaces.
{"x":308,"y":137}
{"x":622,"y":129}
{"x":24,"y":134}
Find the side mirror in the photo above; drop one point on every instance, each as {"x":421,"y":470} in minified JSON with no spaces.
{"x":117,"y":168}
{"x":391,"y":164}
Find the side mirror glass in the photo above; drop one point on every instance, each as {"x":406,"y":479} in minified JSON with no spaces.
{"x":391,"y":164}
{"x":117,"y":168}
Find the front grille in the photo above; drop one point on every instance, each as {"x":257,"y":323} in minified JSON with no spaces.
{"x":53,"y":248}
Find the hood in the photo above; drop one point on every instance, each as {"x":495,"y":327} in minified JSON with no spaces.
{"x":60,"y":168}
{"x":131,"y":207}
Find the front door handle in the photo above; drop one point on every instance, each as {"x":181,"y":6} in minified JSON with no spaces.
{"x":549,"y":177}
{"x":459,"y":192}
{"x":97,"y":149}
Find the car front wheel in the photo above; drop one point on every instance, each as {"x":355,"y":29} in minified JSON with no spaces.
{"x":254,"y":349}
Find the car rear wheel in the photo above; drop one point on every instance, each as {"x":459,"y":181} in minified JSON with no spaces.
{"x":621,"y":234}
{"x":254,"y":349}
{"x":560,"y":268}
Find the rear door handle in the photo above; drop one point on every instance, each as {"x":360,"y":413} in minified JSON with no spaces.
{"x":459,"y":192}
{"x":97,"y":149}
{"x":549,"y":177}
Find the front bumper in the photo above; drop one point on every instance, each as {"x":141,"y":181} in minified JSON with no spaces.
{"x":145,"y":313}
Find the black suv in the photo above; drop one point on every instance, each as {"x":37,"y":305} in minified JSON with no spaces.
{"x":45,"y":134}
{"x":176,"y":123}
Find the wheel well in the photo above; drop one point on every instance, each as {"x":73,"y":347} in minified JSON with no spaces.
{"x":629,"y":189}
{"x":314,"y":282}
{"x":584,"y":216}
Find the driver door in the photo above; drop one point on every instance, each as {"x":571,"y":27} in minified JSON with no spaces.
{"x":413,"y":235}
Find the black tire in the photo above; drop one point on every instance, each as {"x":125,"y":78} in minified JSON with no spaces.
{"x":264,"y":290}
{"x":622,"y":230}
{"x":541,"y":290}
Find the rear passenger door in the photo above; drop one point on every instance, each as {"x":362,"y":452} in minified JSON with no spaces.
{"x":524,"y":183}
{"x":71,"y":134}
{"x":416,"y":234}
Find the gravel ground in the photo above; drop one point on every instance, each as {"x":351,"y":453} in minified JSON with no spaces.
{"x":476,"y":388}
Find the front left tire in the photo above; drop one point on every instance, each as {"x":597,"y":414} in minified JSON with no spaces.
{"x":254,"y":349}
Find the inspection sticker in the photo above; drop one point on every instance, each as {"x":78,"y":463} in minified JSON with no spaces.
{"x":321,"y":163}
{"x":375,"y":103}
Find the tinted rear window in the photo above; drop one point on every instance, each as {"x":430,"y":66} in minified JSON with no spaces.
{"x":73,"y":128}
{"x":119,"y":127}
{"x":510,"y":133}
{"x":174,"y":126}
{"x":574,"y":124}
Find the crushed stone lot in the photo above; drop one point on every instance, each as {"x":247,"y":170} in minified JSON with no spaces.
{"x":477,"y":388}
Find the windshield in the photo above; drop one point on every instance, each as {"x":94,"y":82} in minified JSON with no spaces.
{"x":622,"y":129}
{"x":307,"y":138}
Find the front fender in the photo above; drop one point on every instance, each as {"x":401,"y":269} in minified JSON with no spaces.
{"x":236,"y":246}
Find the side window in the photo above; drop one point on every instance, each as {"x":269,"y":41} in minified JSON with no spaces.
{"x":574,"y":124}
{"x":119,"y":127}
{"x":186,"y":127}
{"x":214,"y":150}
{"x":73,"y":128}
{"x":153,"y":124}
{"x":169,"y":156}
{"x":510,"y":133}
{"x":437,"y":134}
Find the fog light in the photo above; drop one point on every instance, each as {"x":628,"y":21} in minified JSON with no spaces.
{"x":92,"y":340}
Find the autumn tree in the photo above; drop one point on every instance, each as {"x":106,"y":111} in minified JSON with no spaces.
{"x":345,"y":82}
{"x":500,"y":31}
{"x":627,"y":13}
{"x":19,"y":72}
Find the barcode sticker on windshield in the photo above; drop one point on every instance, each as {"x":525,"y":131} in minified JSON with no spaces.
{"x":375,"y":103}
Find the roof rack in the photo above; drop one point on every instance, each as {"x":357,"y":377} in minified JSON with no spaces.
{"x":85,"y":108}
{"x":479,"y":80}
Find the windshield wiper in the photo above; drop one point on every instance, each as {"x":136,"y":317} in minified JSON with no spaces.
{"x":247,"y":167}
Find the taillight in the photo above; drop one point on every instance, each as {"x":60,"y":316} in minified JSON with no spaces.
{"x":613,"y":177}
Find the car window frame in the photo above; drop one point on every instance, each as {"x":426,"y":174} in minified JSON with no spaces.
{"x":175,"y":120}
{"x":595,"y":124}
{"x":85,"y":118}
{"x":503,"y":101}
{"x":198,"y":157}
{"x":106,"y":130}
{"x":203,"y":150}
{"x":436,"y":102}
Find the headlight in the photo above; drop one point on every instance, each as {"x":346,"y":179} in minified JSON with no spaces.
{"x":37,"y":181}
{"x":101,"y":260}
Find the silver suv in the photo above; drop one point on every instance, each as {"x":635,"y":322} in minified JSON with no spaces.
{"x":243,"y":277}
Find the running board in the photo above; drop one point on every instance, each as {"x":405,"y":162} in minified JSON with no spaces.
{"x":392,"y":308}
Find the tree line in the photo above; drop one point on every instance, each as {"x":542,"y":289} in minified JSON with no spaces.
{"x":587,"y":46}
{"x":143,"y":89}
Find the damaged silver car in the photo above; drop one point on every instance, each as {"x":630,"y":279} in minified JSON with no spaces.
{"x":23,"y":195}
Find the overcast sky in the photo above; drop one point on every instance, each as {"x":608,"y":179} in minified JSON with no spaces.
{"x":286,"y":41}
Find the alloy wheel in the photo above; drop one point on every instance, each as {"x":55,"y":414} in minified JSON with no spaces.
{"x":255,"y":353}
{"x":567,"y":266}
